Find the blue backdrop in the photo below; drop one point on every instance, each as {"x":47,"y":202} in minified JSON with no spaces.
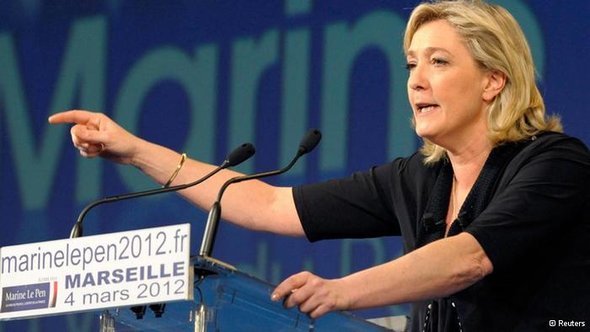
{"x":205,"y":76}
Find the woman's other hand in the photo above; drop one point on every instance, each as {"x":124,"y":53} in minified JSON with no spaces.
{"x":313,"y":295}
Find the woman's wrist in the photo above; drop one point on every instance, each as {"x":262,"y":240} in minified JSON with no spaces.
{"x":153,"y":159}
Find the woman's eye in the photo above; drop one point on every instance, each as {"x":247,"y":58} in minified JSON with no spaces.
{"x":410,"y":66}
{"x":438,"y":61}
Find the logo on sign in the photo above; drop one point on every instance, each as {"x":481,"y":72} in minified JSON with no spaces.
{"x":28,"y":297}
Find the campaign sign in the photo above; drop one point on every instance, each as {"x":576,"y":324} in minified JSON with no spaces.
{"x":94,"y":272}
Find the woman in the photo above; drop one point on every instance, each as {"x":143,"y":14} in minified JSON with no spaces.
{"x":491,"y":209}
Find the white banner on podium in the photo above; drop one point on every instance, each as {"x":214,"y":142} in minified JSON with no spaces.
{"x":94,"y":272}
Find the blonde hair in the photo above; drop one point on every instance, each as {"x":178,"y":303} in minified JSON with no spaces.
{"x":496,"y":42}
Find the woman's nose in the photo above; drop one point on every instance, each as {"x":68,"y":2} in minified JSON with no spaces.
{"x":417,"y":79}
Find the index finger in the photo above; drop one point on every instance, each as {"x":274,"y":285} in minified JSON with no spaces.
{"x":74,"y":116}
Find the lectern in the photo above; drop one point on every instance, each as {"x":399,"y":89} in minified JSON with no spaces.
{"x":146,"y":280}
{"x":226,"y":299}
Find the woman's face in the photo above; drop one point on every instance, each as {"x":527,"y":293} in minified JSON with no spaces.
{"x":445,"y":86}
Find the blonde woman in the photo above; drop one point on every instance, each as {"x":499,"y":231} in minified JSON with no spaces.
{"x":491,"y":210}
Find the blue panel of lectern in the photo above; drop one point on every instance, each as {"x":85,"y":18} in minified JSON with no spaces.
{"x":226,"y":299}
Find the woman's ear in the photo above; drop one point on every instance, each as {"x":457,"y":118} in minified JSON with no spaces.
{"x":496,"y":80}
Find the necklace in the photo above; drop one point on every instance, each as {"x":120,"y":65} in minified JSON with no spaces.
{"x":454,"y":200}
{"x":454,"y":204}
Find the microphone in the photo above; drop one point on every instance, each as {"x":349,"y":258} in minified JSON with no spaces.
{"x":237,"y":156}
{"x":307,"y":144}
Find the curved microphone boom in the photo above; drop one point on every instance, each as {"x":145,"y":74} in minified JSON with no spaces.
{"x":307,"y":144}
{"x":237,"y":156}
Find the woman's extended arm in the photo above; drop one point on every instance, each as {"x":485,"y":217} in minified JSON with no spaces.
{"x":436,"y":270}
{"x":251,"y":204}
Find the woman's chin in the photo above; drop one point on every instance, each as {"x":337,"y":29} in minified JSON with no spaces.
{"x":425,"y":133}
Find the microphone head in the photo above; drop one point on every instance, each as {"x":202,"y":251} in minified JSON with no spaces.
{"x":240,"y":154}
{"x":310,"y":141}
